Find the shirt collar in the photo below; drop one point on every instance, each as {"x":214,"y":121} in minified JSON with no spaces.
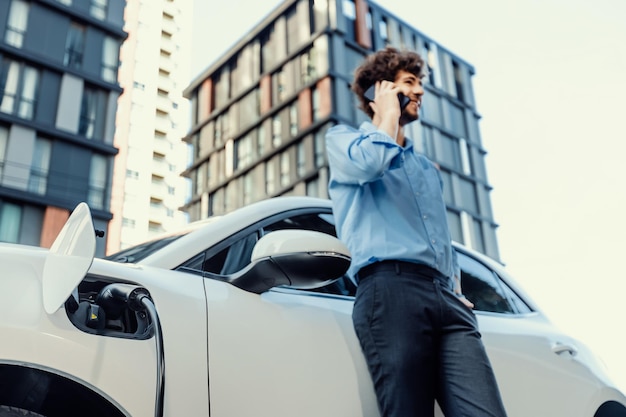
{"x":368,"y":127}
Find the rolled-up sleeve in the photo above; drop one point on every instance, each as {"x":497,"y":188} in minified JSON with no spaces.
{"x":360,"y":156}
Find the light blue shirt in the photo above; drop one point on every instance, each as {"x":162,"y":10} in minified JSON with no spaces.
{"x":387,"y":200}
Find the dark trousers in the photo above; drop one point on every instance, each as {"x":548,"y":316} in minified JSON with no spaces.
{"x":422,"y":344}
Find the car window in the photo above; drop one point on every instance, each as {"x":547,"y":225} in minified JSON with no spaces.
{"x":232,"y":258}
{"x":483,"y":288}
{"x":234,"y":253}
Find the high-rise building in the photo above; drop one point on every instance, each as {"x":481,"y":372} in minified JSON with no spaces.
{"x":259,"y":113}
{"x":58,"y":97}
{"x":152,"y":117}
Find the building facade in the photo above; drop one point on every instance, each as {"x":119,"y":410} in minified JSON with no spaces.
{"x":152,"y":117}
{"x":58,"y":96}
{"x":260,"y":112}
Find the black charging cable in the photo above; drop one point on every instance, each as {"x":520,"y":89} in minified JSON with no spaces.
{"x":114,"y":299}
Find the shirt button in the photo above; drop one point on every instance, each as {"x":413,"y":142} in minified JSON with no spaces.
{"x":425,"y":217}
{"x":433,"y":241}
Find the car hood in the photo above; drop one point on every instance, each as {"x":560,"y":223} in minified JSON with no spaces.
{"x":69,"y":258}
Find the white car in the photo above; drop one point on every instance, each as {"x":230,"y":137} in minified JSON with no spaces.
{"x":244,"y":315}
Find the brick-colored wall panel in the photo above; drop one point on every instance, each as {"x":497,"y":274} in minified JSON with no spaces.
{"x":53,"y":220}
{"x":265,"y":85}
{"x":362,"y":32}
{"x":326,"y":102}
{"x":305,"y":111}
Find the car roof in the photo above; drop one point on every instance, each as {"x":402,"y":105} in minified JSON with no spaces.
{"x":197,"y":236}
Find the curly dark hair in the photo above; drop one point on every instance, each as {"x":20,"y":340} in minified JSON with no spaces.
{"x":384,"y":65}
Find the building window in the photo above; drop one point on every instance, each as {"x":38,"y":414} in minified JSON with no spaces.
{"x":74,"y":46}
{"x":455,"y":121}
{"x":319,"y":15}
{"x":110,"y":59}
{"x":260,"y":139}
{"x":298,"y":27}
{"x":458,"y":81}
{"x":247,"y":189}
{"x":279,"y":86}
{"x":243,"y":152}
{"x":38,"y":178}
{"x":97,"y":182}
{"x":349,"y":12}
{"x":300,"y":159}
{"x":308,"y":70}
{"x":98,"y":9}
{"x":18,"y":89}
{"x":285,"y":172}
{"x":466,"y":164}
{"x":10,"y":221}
{"x":293,"y":119}
{"x":315,"y":103}
{"x":319,"y":149}
{"x":270,"y":177}
{"x":4,"y":138}
{"x":276,"y":130}
{"x":17,"y":23}
{"x":92,"y":113}
{"x":383,"y":29}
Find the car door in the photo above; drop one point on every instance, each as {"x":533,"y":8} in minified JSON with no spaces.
{"x":285,"y":352}
{"x":536,"y":366}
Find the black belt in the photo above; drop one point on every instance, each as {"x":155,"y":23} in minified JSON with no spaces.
{"x":399,"y":267}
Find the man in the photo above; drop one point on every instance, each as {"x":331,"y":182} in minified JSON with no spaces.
{"x":418,"y":334}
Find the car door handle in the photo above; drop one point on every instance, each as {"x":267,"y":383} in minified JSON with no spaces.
{"x":560,"y":348}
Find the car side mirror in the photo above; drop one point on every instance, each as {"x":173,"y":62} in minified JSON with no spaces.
{"x":300,"y":259}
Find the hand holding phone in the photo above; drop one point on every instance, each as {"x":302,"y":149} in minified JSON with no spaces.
{"x":370,"y":94}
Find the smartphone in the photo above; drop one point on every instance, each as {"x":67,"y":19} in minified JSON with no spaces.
{"x":370,"y":92}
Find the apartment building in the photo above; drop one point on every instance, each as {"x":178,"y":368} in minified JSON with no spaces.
{"x":260,"y":111}
{"x":58,"y":96}
{"x":152,"y":117}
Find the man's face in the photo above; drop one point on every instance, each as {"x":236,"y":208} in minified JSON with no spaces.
{"x":411,"y":86}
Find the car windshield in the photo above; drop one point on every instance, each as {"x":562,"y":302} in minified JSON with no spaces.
{"x":141,"y":251}
{"x":138,"y":252}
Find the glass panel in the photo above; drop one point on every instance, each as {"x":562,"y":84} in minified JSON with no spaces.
{"x":74,"y":46}
{"x":468,"y":195}
{"x":26,"y":107}
{"x":38,"y":179}
{"x":293,"y":119}
{"x":4,"y":138}
{"x":300,"y":159}
{"x":285,"y":169}
{"x":320,"y":14}
{"x":98,"y":9}
{"x":9,"y":79}
{"x":481,"y":286}
{"x":447,"y":150}
{"x":17,"y":23}
{"x":455,"y":121}
{"x":10,"y":220}
{"x":88,"y":111}
{"x":454,"y":224}
{"x":110,"y":51}
{"x":270,"y":176}
{"x":431,"y":110}
{"x":97,"y":181}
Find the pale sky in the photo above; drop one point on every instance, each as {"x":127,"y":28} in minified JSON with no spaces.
{"x":550,"y":84}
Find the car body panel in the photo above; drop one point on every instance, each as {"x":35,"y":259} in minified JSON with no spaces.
{"x":285,"y":351}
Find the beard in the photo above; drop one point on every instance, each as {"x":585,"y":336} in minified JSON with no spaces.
{"x":407,"y":117}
